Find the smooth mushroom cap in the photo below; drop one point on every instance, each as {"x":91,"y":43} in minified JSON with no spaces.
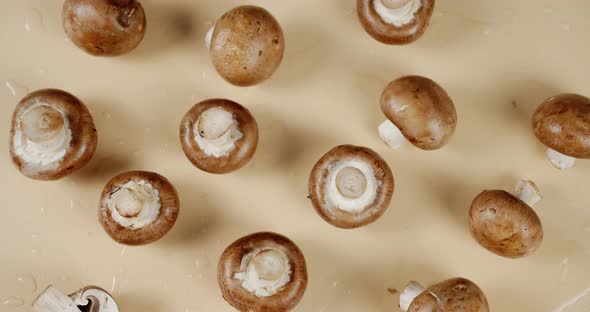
{"x":247,"y":45}
{"x":41,"y":116}
{"x":320,"y":178}
{"x":562,"y":123}
{"x":387,"y":33}
{"x":244,"y":148}
{"x":230,"y":264}
{"x":94,"y":299}
{"x":505,"y":225}
{"x":169,"y":205}
{"x":104,"y":27}
{"x":421,"y":109}
{"x":457,"y":294}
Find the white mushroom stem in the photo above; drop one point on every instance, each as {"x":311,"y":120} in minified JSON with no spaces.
{"x":559,"y":160}
{"x":52,"y":300}
{"x":412,"y":290}
{"x":209,"y":37}
{"x":528,"y":192}
{"x":398,"y":16}
{"x":135,"y":204}
{"x":216,"y":132}
{"x":391,"y":135}
{"x":352,"y":185}
{"x":95,"y":297}
{"x":264,"y":272}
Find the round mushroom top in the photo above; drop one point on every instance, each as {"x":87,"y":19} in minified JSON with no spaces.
{"x":395,"y":21}
{"x":562,"y":123}
{"x":505,"y":225}
{"x":52,"y":134}
{"x":138,"y":207}
{"x":421,"y":109}
{"x":219,"y":136}
{"x":247,"y":45}
{"x":351,"y":186}
{"x":94,"y":299}
{"x":262,"y":272}
{"x":457,"y":294}
{"x":104,"y":27}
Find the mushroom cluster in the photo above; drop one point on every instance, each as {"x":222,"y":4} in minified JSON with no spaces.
{"x":87,"y":299}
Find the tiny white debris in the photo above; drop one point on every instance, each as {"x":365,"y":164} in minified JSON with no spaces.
{"x":564,"y":268}
{"x":16,"y":89}
{"x":391,"y":135}
{"x":528,"y":192}
{"x":412,"y":290}
{"x":559,"y":160}
{"x":398,"y":17}
{"x":566,"y":305}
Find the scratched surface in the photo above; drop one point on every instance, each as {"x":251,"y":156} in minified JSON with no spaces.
{"x":497,"y":59}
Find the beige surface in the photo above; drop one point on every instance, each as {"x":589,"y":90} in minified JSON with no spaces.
{"x":487,"y":54}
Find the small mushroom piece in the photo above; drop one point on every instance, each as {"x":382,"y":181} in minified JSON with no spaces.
{"x":246,"y":45}
{"x":418,"y":109}
{"x":219,"y":136}
{"x":87,"y":299}
{"x":138,"y":207}
{"x":457,"y":294}
{"x":351,"y":186}
{"x":104,"y":27}
{"x":395,"y":22}
{"x":262,"y":272}
{"x":562,"y":123}
{"x":505,"y":224}
{"x":52,"y":135}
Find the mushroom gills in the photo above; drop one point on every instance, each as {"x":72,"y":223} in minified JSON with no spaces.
{"x":94,"y":299}
{"x":391,"y":135}
{"x":216,"y":132}
{"x":352,"y":185}
{"x":134,"y":204}
{"x":264,"y":272}
{"x":399,"y":17}
{"x":410,"y":292}
{"x":559,"y":160}
{"x":42,"y":136}
{"x":528,"y":192}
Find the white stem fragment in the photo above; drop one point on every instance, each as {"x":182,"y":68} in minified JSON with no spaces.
{"x":391,"y":134}
{"x":570,"y":303}
{"x":209,"y":37}
{"x":528,"y":192}
{"x":412,"y":290}
{"x":52,"y":300}
{"x":559,"y":160}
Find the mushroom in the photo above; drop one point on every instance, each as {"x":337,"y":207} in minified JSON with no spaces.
{"x":456,"y":294}
{"x":562,"y":123}
{"x":246,"y":45}
{"x":395,"y":21}
{"x":418,"y":109}
{"x":351,"y":186}
{"x":138,"y":207}
{"x":219,"y":136}
{"x":104,"y":27}
{"x":262,"y":272}
{"x":505,"y":224}
{"x":87,"y":299}
{"x":52,"y":135}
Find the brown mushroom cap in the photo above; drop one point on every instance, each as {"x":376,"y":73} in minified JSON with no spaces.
{"x":320,"y":178}
{"x":505,"y":225}
{"x":457,"y":294}
{"x":230,"y":264}
{"x":57,"y":105}
{"x":104,"y":27}
{"x":391,"y":34}
{"x":562,"y":123}
{"x":94,"y":299}
{"x":244,"y":148}
{"x":168,"y":213}
{"x":247,"y":45}
{"x":421,"y":109}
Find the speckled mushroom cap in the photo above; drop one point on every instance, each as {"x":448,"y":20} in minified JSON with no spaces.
{"x":562,"y":123}
{"x":388,"y":33}
{"x":230,"y":264}
{"x":319,"y":181}
{"x":164,"y":221}
{"x":247,"y":45}
{"x":244,"y":148}
{"x":457,"y":294}
{"x":421,"y":109}
{"x":76,"y":118}
{"x":505,"y":225}
{"x":104,"y":27}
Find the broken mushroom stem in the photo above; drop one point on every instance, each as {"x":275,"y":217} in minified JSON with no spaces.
{"x":89,"y":298}
{"x":528,"y":192}
{"x":559,"y":160}
{"x":410,"y":292}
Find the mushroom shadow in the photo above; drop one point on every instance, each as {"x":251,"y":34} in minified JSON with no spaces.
{"x":133,"y":302}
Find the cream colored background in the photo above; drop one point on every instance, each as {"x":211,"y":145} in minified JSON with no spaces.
{"x":497,"y":59}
